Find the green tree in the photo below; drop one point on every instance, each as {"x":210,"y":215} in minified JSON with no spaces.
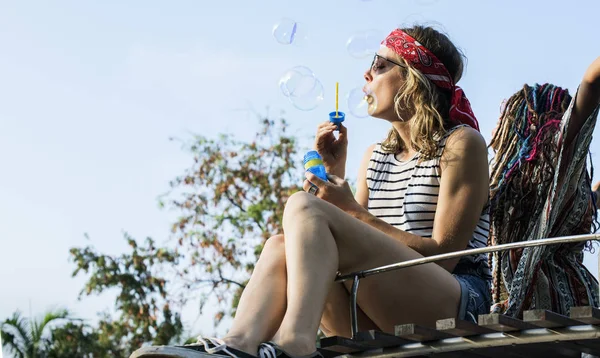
{"x":27,"y":337}
{"x":230,"y":201}
{"x":143,"y":308}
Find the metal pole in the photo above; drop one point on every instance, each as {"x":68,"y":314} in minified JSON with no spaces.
{"x":457,"y":254}
{"x":353,"y":310}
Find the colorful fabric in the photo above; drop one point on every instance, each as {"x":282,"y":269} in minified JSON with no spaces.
{"x":419,"y":57}
{"x":554,"y":277}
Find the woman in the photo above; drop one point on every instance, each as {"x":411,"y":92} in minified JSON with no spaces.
{"x":540,"y":188}
{"x":421,"y":192}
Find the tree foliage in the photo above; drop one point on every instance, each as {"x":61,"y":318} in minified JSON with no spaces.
{"x":229,"y":202}
{"x":27,"y":337}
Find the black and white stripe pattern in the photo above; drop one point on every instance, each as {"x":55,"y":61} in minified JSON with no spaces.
{"x":405,"y":195}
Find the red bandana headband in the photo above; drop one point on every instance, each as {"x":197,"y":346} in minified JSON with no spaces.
{"x":427,"y":63}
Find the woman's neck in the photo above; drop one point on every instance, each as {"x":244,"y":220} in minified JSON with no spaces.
{"x":403,"y":129}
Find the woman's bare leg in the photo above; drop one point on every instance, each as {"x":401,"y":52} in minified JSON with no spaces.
{"x":336,"y":315}
{"x":320,"y":239}
{"x":263,"y":302}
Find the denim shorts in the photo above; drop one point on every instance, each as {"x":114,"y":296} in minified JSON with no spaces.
{"x":475,"y":296}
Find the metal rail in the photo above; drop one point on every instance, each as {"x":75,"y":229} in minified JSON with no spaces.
{"x":356,"y":276}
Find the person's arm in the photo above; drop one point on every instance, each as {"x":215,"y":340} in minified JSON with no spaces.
{"x":463,"y":193}
{"x":588,"y":98}
{"x":362,"y":189}
{"x":596,"y":191}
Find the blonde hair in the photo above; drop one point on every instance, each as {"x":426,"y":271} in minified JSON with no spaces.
{"x":430,"y":104}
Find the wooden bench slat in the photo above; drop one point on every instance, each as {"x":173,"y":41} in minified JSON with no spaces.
{"x":502,"y":323}
{"x":342,"y":345}
{"x":548,"y":319}
{"x":501,"y":352}
{"x":460,"y":354}
{"x":586,"y":314}
{"x":460,"y":328}
{"x":416,"y":333}
{"x":378,"y":339}
{"x":589,"y":346}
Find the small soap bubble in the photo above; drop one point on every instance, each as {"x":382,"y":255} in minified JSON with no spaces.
{"x":289,"y":32}
{"x":308,"y":97}
{"x":364,"y":43}
{"x":302,"y":87}
{"x":361,"y":104}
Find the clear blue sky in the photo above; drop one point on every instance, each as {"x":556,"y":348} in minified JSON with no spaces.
{"x":90,"y":92}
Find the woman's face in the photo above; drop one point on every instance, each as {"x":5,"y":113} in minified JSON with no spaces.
{"x":384,"y":79}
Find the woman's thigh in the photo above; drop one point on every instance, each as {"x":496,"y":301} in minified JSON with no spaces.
{"x":420,"y":294}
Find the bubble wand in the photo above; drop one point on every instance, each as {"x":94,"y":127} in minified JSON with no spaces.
{"x":337,"y":117}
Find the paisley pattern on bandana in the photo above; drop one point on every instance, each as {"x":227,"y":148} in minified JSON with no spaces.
{"x":419,"y":57}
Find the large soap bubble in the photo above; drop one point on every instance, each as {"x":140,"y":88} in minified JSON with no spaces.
{"x":302,"y":88}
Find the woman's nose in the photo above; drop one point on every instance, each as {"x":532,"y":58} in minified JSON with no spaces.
{"x":368,"y":76}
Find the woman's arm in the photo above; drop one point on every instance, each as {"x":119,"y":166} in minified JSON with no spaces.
{"x":362,"y":189}
{"x":588,"y":98}
{"x":463,"y":194}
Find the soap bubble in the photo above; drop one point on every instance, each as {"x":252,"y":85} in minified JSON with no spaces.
{"x":308,"y":99}
{"x":364,"y":44}
{"x":361,"y":104}
{"x":296,"y":79}
{"x":302,"y":87}
{"x":289,"y":32}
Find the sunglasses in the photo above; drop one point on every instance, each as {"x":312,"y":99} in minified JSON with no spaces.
{"x":377,"y":57}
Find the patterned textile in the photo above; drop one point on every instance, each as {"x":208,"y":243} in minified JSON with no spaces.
{"x":554,"y":277}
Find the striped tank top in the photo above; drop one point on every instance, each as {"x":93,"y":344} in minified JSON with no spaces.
{"x":405,"y":193}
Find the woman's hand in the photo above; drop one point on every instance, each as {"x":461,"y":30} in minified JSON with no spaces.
{"x":332,"y":150}
{"x":335,"y":191}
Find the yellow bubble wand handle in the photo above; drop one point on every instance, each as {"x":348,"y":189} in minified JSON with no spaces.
{"x":337,"y":91}
{"x":337,"y":117}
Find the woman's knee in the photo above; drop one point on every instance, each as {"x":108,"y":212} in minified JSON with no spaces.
{"x":274,"y":251}
{"x":301,"y":205}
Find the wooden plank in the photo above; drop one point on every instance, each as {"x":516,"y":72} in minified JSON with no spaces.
{"x":590,"y":346}
{"x":328,"y":354}
{"x":548,"y":319}
{"x":501,"y":352}
{"x":460,"y":328}
{"x":459,"y":354}
{"x":548,"y":349}
{"x":586,"y":314}
{"x":171,"y":351}
{"x":416,"y":333}
{"x":378,"y":339}
{"x":502,"y":323}
{"x":342,"y":345}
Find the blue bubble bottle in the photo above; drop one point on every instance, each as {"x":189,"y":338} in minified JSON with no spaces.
{"x":314,"y":164}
